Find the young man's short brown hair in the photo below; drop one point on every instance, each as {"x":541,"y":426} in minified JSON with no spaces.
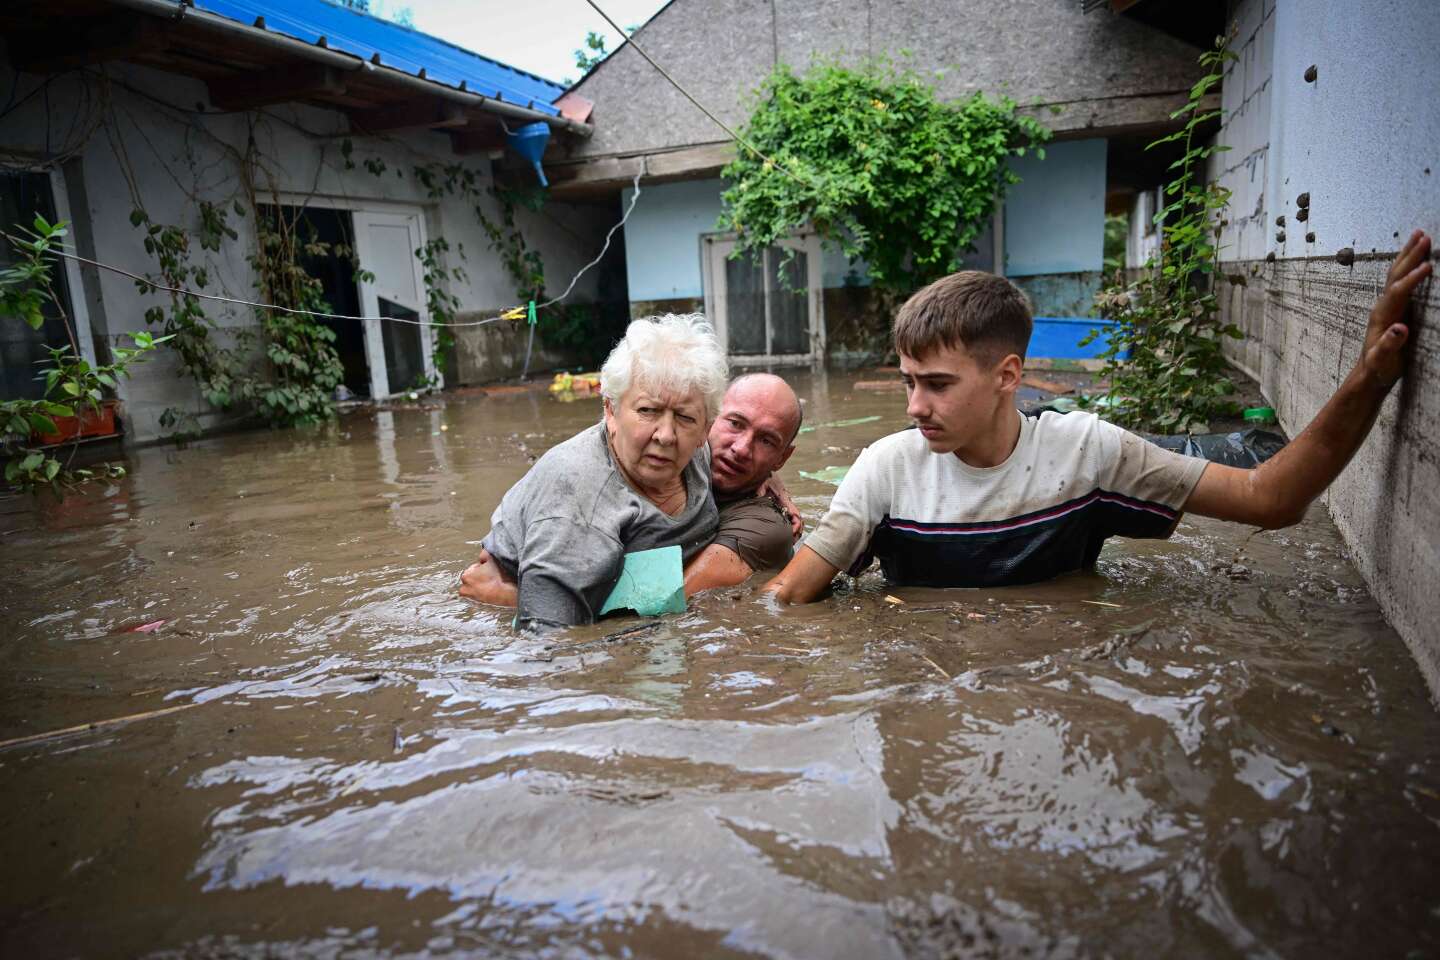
{"x":988,"y":315}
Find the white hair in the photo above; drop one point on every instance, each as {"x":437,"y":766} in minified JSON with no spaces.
{"x":676,"y":352}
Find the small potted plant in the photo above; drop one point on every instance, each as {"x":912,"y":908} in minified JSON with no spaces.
{"x":74,"y":403}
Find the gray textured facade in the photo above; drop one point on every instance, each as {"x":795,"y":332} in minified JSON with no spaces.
{"x":1103,"y":71}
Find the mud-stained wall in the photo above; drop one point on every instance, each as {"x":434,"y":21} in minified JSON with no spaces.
{"x":1360,"y":137}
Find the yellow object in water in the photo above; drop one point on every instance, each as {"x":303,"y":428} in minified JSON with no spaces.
{"x":570,"y":386}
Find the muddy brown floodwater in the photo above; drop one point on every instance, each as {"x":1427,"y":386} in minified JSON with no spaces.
{"x":1208,"y":746}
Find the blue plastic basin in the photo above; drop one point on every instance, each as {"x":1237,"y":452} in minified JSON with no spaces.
{"x":1058,"y":338}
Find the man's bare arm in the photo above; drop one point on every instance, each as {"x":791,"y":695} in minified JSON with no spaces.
{"x":716,"y":566}
{"x":1278,"y":492}
{"x":774,"y":488}
{"x":804,"y":578}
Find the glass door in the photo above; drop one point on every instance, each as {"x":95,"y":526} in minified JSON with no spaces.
{"x":398,"y":348}
{"x":766,"y":307}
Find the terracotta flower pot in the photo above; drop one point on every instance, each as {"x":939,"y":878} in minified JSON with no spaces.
{"x":88,"y":423}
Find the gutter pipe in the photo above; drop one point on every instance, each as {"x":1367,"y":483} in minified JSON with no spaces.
{"x":182,"y":12}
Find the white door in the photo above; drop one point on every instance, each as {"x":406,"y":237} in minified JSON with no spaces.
{"x":399,"y":349}
{"x":766,"y":308}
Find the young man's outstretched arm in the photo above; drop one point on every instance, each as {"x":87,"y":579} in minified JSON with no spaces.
{"x":1277,"y":493}
{"x":804,"y":578}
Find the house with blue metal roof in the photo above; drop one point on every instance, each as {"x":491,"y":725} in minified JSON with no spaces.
{"x":208,"y":122}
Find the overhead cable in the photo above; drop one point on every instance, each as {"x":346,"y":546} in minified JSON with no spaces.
{"x":734,"y":135}
{"x":514,"y":313}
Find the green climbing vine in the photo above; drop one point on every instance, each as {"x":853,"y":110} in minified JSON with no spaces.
{"x":74,"y":389}
{"x":439,"y":301}
{"x":1164,"y":360}
{"x":301,"y":348}
{"x":296,"y":382}
{"x":877,"y":165}
{"x":584,"y":331}
{"x":184,"y":322}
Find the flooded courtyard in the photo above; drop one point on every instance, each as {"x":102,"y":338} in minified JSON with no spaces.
{"x":1212,"y":745}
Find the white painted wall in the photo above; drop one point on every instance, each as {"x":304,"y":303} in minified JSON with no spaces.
{"x":179,"y":156}
{"x":1363,"y":140}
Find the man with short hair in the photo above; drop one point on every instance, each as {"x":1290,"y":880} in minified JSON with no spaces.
{"x":750,"y":440}
{"x":752,"y":437}
{"x":979,"y":495}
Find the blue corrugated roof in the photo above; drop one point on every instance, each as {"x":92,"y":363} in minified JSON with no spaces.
{"x":400,"y":48}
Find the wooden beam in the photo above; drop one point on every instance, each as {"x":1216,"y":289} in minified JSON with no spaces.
{"x":280,"y":85}
{"x":410,"y":115}
{"x":478,"y":139}
{"x":607,"y":174}
{"x":1114,"y":116}
{"x":98,"y":40}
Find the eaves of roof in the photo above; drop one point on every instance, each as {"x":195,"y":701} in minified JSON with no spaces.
{"x":392,"y":45}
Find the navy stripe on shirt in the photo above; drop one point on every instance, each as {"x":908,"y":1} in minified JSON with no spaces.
{"x":1024,"y":549}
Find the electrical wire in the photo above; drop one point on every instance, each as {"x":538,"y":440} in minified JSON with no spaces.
{"x":734,"y":135}
{"x":644,"y":168}
{"x":514,"y":313}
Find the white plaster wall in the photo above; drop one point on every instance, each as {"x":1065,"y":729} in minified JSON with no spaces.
{"x":176,"y":157}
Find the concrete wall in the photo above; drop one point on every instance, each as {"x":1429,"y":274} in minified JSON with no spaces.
{"x":1364,"y":141}
{"x":126,"y":147}
{"x":720,"y":50}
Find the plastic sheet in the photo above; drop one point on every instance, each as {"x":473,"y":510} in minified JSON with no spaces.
{"x":1243,"y":448}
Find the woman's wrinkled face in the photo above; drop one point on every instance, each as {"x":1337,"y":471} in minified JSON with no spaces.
{"x":654,"y":433}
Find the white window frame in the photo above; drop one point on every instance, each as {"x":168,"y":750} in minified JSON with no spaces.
{"x":715,"y":249}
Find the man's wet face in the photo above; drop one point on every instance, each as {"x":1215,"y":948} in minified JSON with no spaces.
{"x":751,"y":436}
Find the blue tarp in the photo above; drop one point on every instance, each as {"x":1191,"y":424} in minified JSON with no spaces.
{"x":401,"y":48}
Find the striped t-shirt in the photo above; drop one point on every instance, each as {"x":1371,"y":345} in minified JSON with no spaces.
{"x":933,"y":520}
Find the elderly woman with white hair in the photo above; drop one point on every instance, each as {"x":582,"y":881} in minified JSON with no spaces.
{"x":638,"y":480}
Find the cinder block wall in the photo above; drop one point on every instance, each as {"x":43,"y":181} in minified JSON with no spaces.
{"x":1304,"y":322}
{"x":1361,"y":137}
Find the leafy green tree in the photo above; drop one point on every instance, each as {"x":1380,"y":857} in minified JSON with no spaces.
{"x":591,"y":53}
{"x":878,"y":166}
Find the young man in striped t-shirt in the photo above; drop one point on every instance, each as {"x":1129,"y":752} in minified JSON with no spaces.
{"x":979,"y":495}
